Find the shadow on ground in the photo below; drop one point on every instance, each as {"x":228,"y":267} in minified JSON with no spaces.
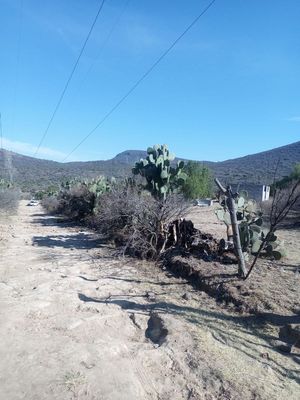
{"x":51,"y":220}
{"x":292,"y":221}
{"x":245,"y":334}
{"x":160,"y":283}
{"x":76,"y":241}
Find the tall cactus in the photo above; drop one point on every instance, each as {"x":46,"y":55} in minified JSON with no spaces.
{"x":162,"y":178}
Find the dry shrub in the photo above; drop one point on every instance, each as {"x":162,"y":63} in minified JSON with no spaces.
{"x":138,"y":221}
{"x":284,"y":201}
{"x":9,"y":200}
{"x":51,"y":204}
{"x":76,"y":203}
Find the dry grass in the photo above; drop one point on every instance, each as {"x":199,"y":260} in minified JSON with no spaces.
{"x":9,"y":199}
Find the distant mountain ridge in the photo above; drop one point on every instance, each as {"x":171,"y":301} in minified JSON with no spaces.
{"x":33,"y":173}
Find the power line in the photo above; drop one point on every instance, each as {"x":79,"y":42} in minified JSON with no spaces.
{"x":100,"y":50}
{"x":163,"y":55}
{"x":70,"y":77}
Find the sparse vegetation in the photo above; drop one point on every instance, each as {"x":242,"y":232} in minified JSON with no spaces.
{"x":285,"y":198}
{"x":143,"y":217}
{"x":9,"y":196}
{"x":254,"y":237}
{"x":136,"y":216}
{"x":250,"y":223}
{"x":33,"y":174}
{"x":138,"y":221}
{"x":9,"y":199}
{"x":77,"y":199}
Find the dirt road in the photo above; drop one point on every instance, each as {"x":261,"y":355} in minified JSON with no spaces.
{"x":75,"y":325}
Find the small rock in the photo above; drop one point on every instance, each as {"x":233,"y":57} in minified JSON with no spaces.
{"x":265,"y":356}
{"x":64,"y":276}
{"x":150,"y":296}
{"x":34,"y":287}
{"x":187,"y":296}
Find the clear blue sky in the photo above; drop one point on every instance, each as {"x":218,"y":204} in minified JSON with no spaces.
{"x":230,"y":87}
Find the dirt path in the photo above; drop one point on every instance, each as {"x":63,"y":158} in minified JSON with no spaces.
{"x":74,"y":321}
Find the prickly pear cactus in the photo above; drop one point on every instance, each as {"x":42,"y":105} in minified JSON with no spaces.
{"x":252,"y":232}
{"x":99,"y":185}
{"x":162,"y":178}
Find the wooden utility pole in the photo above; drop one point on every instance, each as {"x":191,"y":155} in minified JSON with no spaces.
{"x":230,"y":202}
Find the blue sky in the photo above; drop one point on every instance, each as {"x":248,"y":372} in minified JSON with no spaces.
{"x":230,"y":87}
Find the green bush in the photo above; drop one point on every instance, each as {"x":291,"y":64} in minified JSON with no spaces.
{"x":199,"y":182}
{"x":287,"y":180}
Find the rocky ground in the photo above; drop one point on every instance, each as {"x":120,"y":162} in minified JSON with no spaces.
{"x":78,"y":322}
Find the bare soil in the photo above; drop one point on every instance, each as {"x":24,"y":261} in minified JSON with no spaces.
{"x":273,"y":287}
{"x":78,"y":322}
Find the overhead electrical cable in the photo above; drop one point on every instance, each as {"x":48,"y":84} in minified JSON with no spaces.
{"x":70,"y":77}
{"x":105,"y":41}
{"x":123,"y":98}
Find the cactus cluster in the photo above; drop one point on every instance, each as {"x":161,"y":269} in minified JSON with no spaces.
{"x":100,"y":185}
{"x":252,"y":232}
{"x":97,"y":186}
{"x":67,"y":185}
{"x":162,"y":177}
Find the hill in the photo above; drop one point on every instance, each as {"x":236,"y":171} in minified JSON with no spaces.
{"x":33,"y":173}
{"x":259,"y":167}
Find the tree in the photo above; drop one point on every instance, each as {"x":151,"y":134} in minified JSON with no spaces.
{"x":199,"y":181}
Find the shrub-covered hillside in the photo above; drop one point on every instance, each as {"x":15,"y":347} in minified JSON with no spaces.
{"x":32,"y":173}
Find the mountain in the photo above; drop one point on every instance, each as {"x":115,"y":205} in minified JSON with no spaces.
{"x":259,"y":167}
{"x":33,"y":173}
